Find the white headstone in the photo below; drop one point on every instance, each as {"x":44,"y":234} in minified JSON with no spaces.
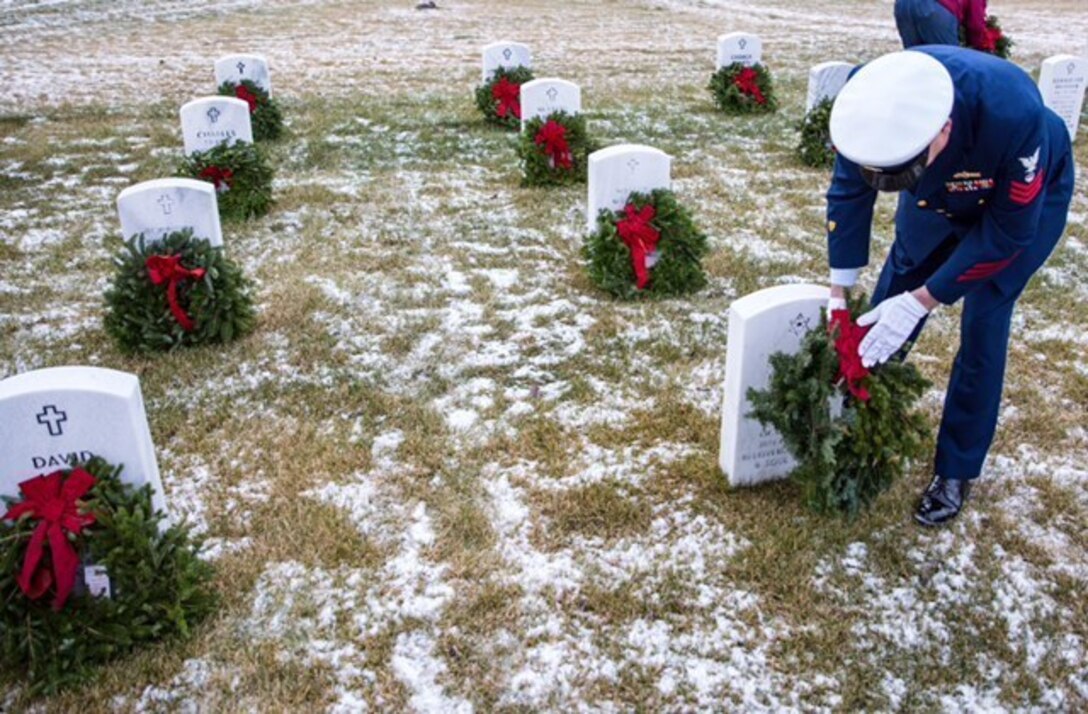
{"x":740,"y":47}
{"x":235,"y":68}
{"x":826,"y":80}
{"x":53,"y":418}
{"x":542,"y":97}
{"x":163,"y":206}
{"x":760,"y":324}
{"x":618,"y":171}
{"x":210,"y":121}
{"x":1062,"y":82}
{"x":507,"y":55}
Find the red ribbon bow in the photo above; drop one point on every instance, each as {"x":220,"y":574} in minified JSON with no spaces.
{"x":990,"y":36}
{"x":242,"y":92}
{"x":167,"y":269}
{"x":746,"y":82}
{"x":508,"y":95}
{"x":53,"y":501}
{"x":848,"y":338}
{"x":553,"y":137}
{"x":641,"y":239}
{"x":220,"y":178}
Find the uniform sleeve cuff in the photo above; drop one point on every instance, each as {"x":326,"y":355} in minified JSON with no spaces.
{"x":846,"y":277}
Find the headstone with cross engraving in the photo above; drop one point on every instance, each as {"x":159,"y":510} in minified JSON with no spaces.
{"x":163,"y":206}
{"x":739,"y":48}
{"x":51,"y":419}
{"x":505,"y":54}
{"x":210,"y":121}
{"x":826,"y":80}
{"x":235,"y":68}
{"x":768,"y":321}
{"x":541,"y":97}
{"x":1062,"y":82}
{"x":618,"y":171}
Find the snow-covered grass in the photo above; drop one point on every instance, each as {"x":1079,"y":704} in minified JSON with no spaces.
{"x":445,"y":474}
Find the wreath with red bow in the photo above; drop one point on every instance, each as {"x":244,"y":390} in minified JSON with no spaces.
{"x":179,"y":291}
{"x":846,"y":457}
{"x":499,"y":98}
{"x":241,"y":176}
{"x":88,"y":572}
{"x":554,"y":150}
{"x":651,"y":248}
{"x":815,"y":148}
{"x":994,"y":40}
{"x":743,"y":89}
{"x":264,"y":112}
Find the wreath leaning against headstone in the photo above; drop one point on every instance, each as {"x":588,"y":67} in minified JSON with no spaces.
{"x":743,"y":89}
{"x":554,"y":150}
{"x":499,"y":98}
{"x":815,"y":148}
{"x":264,"y":112}
{"x":241,"y":176}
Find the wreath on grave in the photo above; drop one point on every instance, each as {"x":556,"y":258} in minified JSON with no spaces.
{"x":650,"y":248}
{"x":88,"y":572}
{"x":241,"y":176}
{"x":815,"y":148}
{"x":499,"y":98}
{"x":174,"y":292}
{"x":264,"y":111}
{"x":845,"y":460}
{"x":995,"y":41}
{"x":742,"y":89}
{"x":555,"y":150}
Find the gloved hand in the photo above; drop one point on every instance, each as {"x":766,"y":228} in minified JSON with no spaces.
{"x":894,"y":320}
{"x":834,"y":304}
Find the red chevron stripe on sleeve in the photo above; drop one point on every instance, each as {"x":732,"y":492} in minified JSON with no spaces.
{"x":981,"y":271}
{"x":1024,"y":193}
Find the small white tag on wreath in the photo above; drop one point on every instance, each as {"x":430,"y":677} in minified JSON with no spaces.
{"x":97,"y":580}
{"x":651,"y":259}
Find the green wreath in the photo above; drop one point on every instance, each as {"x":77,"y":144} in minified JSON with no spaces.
{"x":498,"y":99}
{"x":264,"y":111}
{"x":241,"y":176}
{"x":158,"y":585}
{"x":999,"y":43}
{"x":815,"y":148}
{"x":742,"y":89}
{"x":541,"y":167}
{"x":845,"y":461}
{"x":680,"y":247}
{"x":216,"y":304}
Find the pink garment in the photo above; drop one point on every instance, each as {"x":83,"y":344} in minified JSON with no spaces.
{"x":972,"y":15}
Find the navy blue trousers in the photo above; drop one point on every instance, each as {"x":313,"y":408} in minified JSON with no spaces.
{"x":925,"y":22}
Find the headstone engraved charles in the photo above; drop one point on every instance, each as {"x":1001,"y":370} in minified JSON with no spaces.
{"x":156,"y":208}
{"x":771,"y":320}
{"x":1062,"y":82}
{"x":618,"y":171}
{"x":505,"y":54}
{"x":210,"y":121}
{"x":52,"y":419}
{"x":741,"y":48}
{"x":235,"y":68}
{"x":541,"y":97}
{"x":826,"y":80}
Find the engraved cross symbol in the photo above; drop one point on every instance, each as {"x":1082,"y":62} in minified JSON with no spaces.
{"x":507,"y":54}
{"x":213,"y":115}
{"x":52,"y":418}
{"x":1070,"y":68}
{"x":632,"y":165}
{"x":552,"y":93}
{"x":166,"y":204}
{"x":743,"y":44}
{"x":241,"y":67}
{"x":800,"y":325}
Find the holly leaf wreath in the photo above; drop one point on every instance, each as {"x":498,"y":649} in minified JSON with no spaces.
{"x":241,"y":176}
{"x":179,"y":291}
{"x":264,"y":111}
{"x":651,"y":248}
{"x":89,"y":572}
{"x":554,"y":150}
{"x":499,"y":98}
{"x":845,"y":457}
{"x":815,"y":148}
{"x":740,"y":89}
{"x":994,"y":40}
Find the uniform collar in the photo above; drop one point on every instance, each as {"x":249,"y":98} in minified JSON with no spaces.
{"x":951,"y":159}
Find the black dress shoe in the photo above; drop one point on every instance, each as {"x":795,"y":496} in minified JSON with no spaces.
{"x":942,"y":501}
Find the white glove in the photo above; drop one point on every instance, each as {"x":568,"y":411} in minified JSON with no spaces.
{"x":895,"y":320}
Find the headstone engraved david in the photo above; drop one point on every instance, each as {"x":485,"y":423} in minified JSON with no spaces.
{"x":1062,"y":82}
{"x":235,"y":68}
{"x":156,"y":208}
{"x":52,"y":419}
{"x":542,"y":97}
{"x":210,"y":121}
{"x":825,"y":81}
{"x":507,"y":55}
{"x":618,"y":171}
{"x":760,"y":324}
{"x":741,"y":48}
